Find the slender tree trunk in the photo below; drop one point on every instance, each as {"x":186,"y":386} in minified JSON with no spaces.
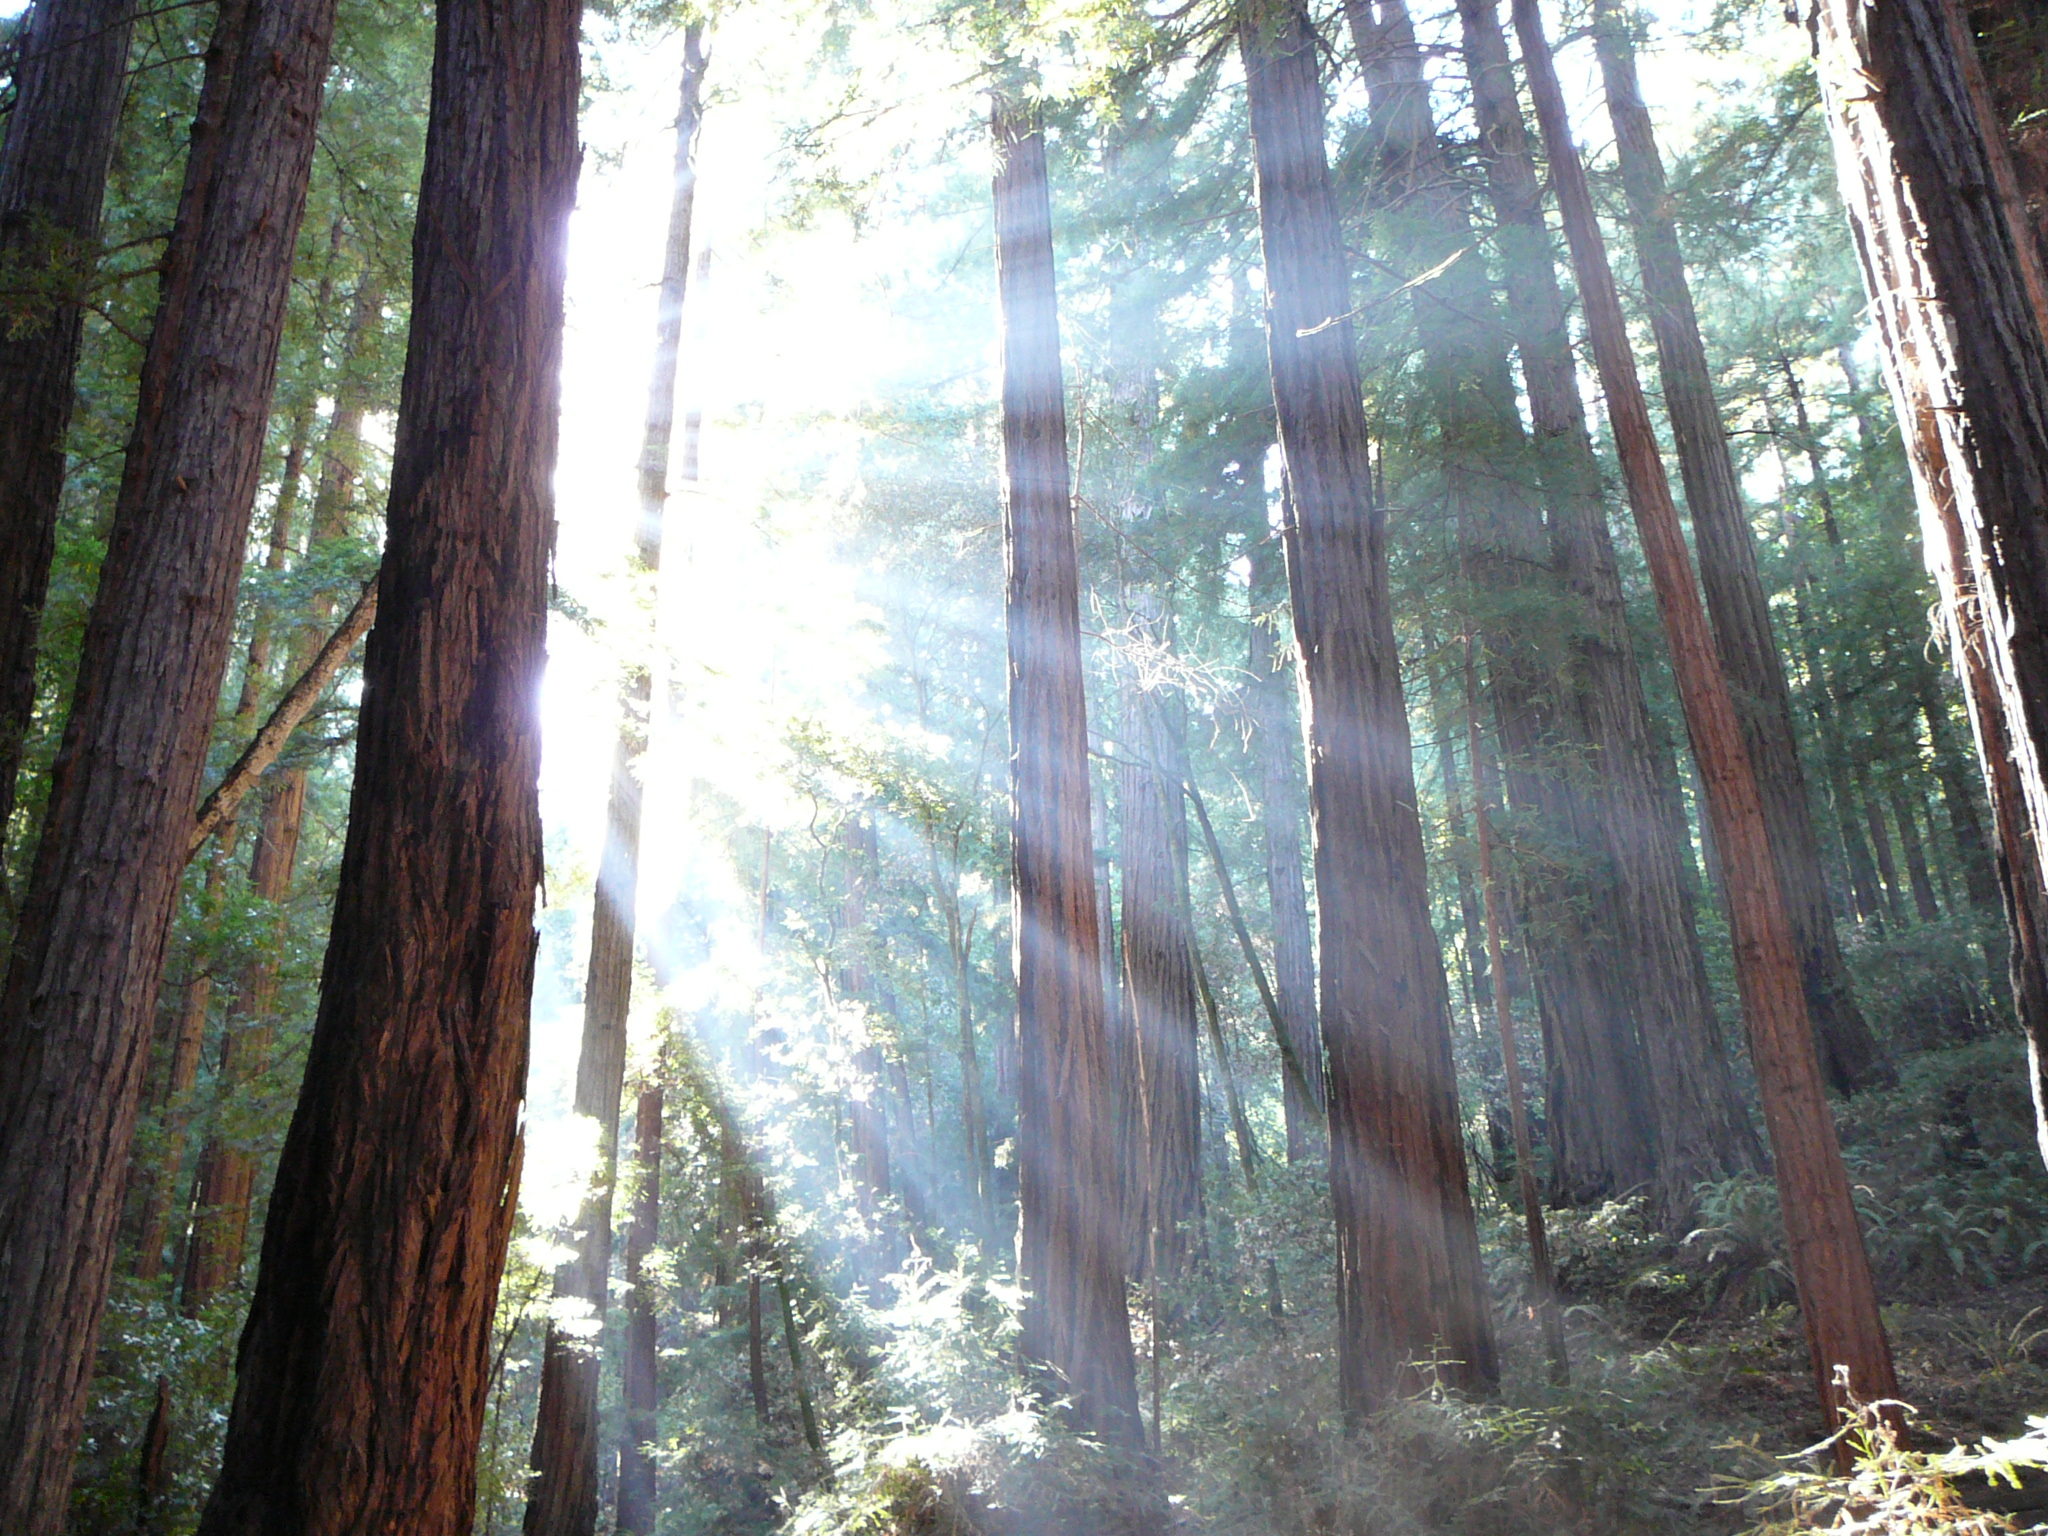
{"x":88,"y":953}
{"x":1845,"y":1336}
{"x":1925,"y":907}
{"x":1281,"y":774}
{"x":867,"y":1114}
{"x":1881,"y":846}
{"x":364,"y":1367}
{"x":562,"y":1495}
{"x":68,"y":79}
{"x":1409,"y":1288}
{"x":637,"y":1506}
{"x":1703,"y":1129}
{"x":1159,"y":975}
{"x":1075,"y":1321}
{"x":1958,"y":797}
{"x":1957,"y":301}
{"x":1850,"y":1054}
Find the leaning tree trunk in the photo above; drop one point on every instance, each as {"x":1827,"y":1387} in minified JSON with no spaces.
{"x":1409,"y":1287}
{"x":1602,"y":1129}
{"x":1850,"y":1055}
{"x":1278,"y":745}
{"x":364,"y":1366}
{"x":69,"y":76}
{"x":1845,"y":1337}
{"x":562,"y":1495}
{"x":1955,"y":290}
{"x":637,"y":1508}
{"x":88,"y":953}
{"x":1159,"y":975}
{"x":1075,"y":1321}
{"x":1702,"y":1128}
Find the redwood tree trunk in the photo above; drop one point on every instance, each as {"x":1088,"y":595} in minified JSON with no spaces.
{"x":1955,"y":286}
{"x":88,"y":953}
{"x":1850,"y":1054}
{"x":363,"y":1371}
{"x":1838,"y":1302}
{"x":1409,"y":1288}
{"x":637,"y":1507}
{"x":1278,"y":745}
{"x":1703,"y":1131}
{"x":69,"y":75}
{"x":562,"y":1497}
{"x":1075,"y":1320}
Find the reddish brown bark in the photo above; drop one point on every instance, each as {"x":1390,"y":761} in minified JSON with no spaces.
{"x":1703,"y":1131}
{"x":364,"y":1366}
{"x":637,"y":1506}
{"x":70,"y":61}
{"x":1409,"y":1290}
{"x":82,"y":981}
{"x":1957,"y":290}
{"x":1075,"y":1322}
{"x":1850,"y":1055}
{"x":1838,"y":1302}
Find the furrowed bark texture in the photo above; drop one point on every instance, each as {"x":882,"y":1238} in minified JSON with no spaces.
{"x":1159,"y":981}
{"x":68,"y":83}
{"x":1278,"y":744}
{"x":562,"y":1497}
{"x":1075,"y":1322}
{"x":363,"y":1369}
{"x":1703,"y":1131}
{"x":1409,"y":1289}
{"x":87,"y":956}
{"x":1850,"y":1055}
{"x":1838,"y":1302}
{"x":1601,"y":1127}
{"x":636,"y":1510}
{"x":1967,"y":366}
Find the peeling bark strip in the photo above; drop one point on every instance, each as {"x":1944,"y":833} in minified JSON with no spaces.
{"x":1850,"y":1055}
{"x":1075,"y":1321}
{"x":363,"y":1370}
{"x":80,"y":989}
{"x":1837,"y":1300}
{"x":68,"y":84}
{"x":1409,"y":1290}
{"x":1967,"y":366}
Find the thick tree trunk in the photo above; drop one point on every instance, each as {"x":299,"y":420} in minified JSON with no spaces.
{"x":1703,"y":1131}
{"x":1159,"y":976}
{"x":1956,"y":289}
{"x":562,"y":1495}
{"x":68,"y":80}
{"x":637,"y":1507}
{"x":364,"y":1367}
{"x":1844,"y":1334}
{"x":1277,"y":744}
{"x":1409,"y":1288}
{"x":1850,"y":1054}
{"x":87,"y":955}
{"x":1075,"y":1321}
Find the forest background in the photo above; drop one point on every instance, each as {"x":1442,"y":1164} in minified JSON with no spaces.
{"x":823,"y":876}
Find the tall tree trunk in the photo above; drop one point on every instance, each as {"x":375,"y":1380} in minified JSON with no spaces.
{"x":1278,"y":746}
{"x":867,"y":1113}
{"x":1844,"y":1334}
{"x":88,"y":953}
{"x":637,"y":1506}
{"x":1850,"y":1054}
{"x":364,"y":1367}
{"x":69,"y":75}
{"x":1409,"y":1288}
{"x":1881,"y":846}
{"x":1959,"y":799}
{"x":1956,"y":291}
{"x":1702,"y":1128}
{"x":1925,"y":907}
{"x":1602,"y":1128}
{"x":1075,"y":1321}
{"x":562,"y":1495}
{"x":1159,"y":976}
